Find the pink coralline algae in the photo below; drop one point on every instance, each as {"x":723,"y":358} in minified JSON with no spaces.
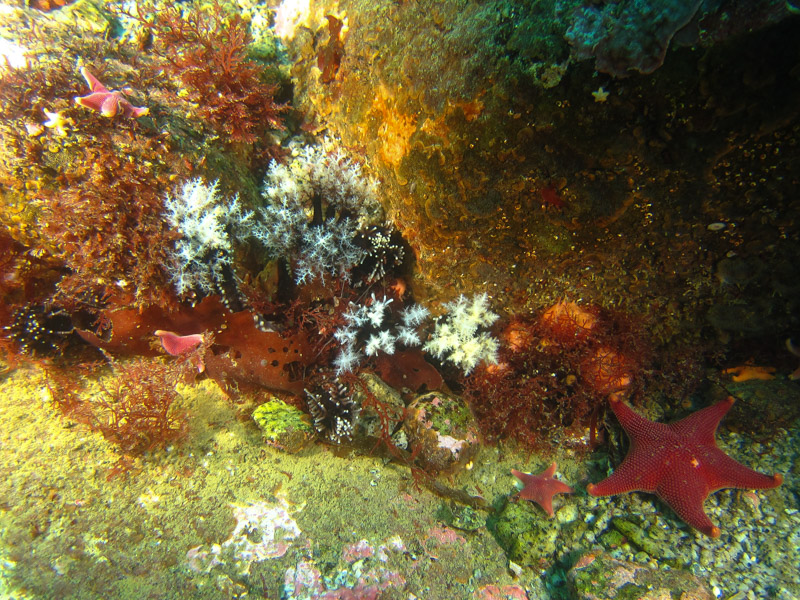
{"x":445,"y":536}
{"x":263,"y":531}
{"x":354,"y":552}
{"x":108,"y":103}
{"x":364,"y":576}
{"x":496,"y":592}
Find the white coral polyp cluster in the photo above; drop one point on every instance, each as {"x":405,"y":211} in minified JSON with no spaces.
{"x":315,"y":206}
{"x":458,"y":336}
{"x":368,"y":330}
{"x":206,"y":224}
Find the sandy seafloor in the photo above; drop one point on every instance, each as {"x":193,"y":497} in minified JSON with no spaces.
{"x":323,"y":519}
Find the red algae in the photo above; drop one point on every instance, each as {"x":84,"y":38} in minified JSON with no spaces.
{"x":568,"y":322}
{"x":554,"y":373}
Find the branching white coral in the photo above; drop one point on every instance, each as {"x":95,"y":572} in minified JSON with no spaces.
{"x":315,"y":207}
{"x":383,"y":340}
{"x":207,"y":225}
{"x":408,"y":336}
{"x":457,"y":337}
{"x":347,"y":359}
{"x":414,"y":315}
{"x":376,"y":311}
{"x":371,"y":328}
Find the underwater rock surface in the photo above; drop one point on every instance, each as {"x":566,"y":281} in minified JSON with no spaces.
{"x":290,"y":291}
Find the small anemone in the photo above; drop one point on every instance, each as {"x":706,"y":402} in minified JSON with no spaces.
{"x":384,"y":253}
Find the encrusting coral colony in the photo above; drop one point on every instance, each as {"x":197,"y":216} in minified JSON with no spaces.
{"x":209,"y":192}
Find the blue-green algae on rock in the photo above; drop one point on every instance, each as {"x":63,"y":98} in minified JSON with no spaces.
{"x":284,"y":426}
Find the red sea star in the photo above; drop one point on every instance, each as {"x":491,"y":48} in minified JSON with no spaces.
{"x":680,"y":463}
{"x":541,"y":488}
{"x":109,"y":103}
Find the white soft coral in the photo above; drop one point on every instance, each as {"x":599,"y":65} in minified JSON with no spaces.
{"x":206,"y":224}
{"x":315,"y":207}
{"x":457,"y":337}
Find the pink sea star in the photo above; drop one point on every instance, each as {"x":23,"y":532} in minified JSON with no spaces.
{"x":541,"y":488}
{"x":108,"y":102}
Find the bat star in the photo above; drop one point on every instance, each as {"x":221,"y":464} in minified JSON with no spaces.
{"x":680,"y":463}
{"x":541,"y":488}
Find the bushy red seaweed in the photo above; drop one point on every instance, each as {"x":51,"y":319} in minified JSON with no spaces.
{"x":548,"y":387}
{"x":135,"y":407}
{"x":109,"y":232}
{"x":135,"y":410}
{"x":206,"y":48}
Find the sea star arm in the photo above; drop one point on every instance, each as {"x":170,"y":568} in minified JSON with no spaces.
{"x":93,"y":101}
{"x":721,"y":471}
{"x":129,"y":110}
{"x":634,"y":474}
{"x":635,"y":425}
{"x":701,"y":426}
{"x":92,"y":82}
{"x":685,"y":493}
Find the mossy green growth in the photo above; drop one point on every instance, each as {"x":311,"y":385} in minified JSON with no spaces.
{"x":447,"y":414}
{"x":602,"y":576}
{"x":647,"y":536}
{"x":526,"y":536}
{"x":459,"y":516}
{"x":283,"y":425}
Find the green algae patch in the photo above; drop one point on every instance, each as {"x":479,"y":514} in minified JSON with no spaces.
{"x":461,"y":517}
{"x":598,"y":575}
{"x":527,"y":537}
{"x":282,"y":425}
{"x":646,"y":536}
